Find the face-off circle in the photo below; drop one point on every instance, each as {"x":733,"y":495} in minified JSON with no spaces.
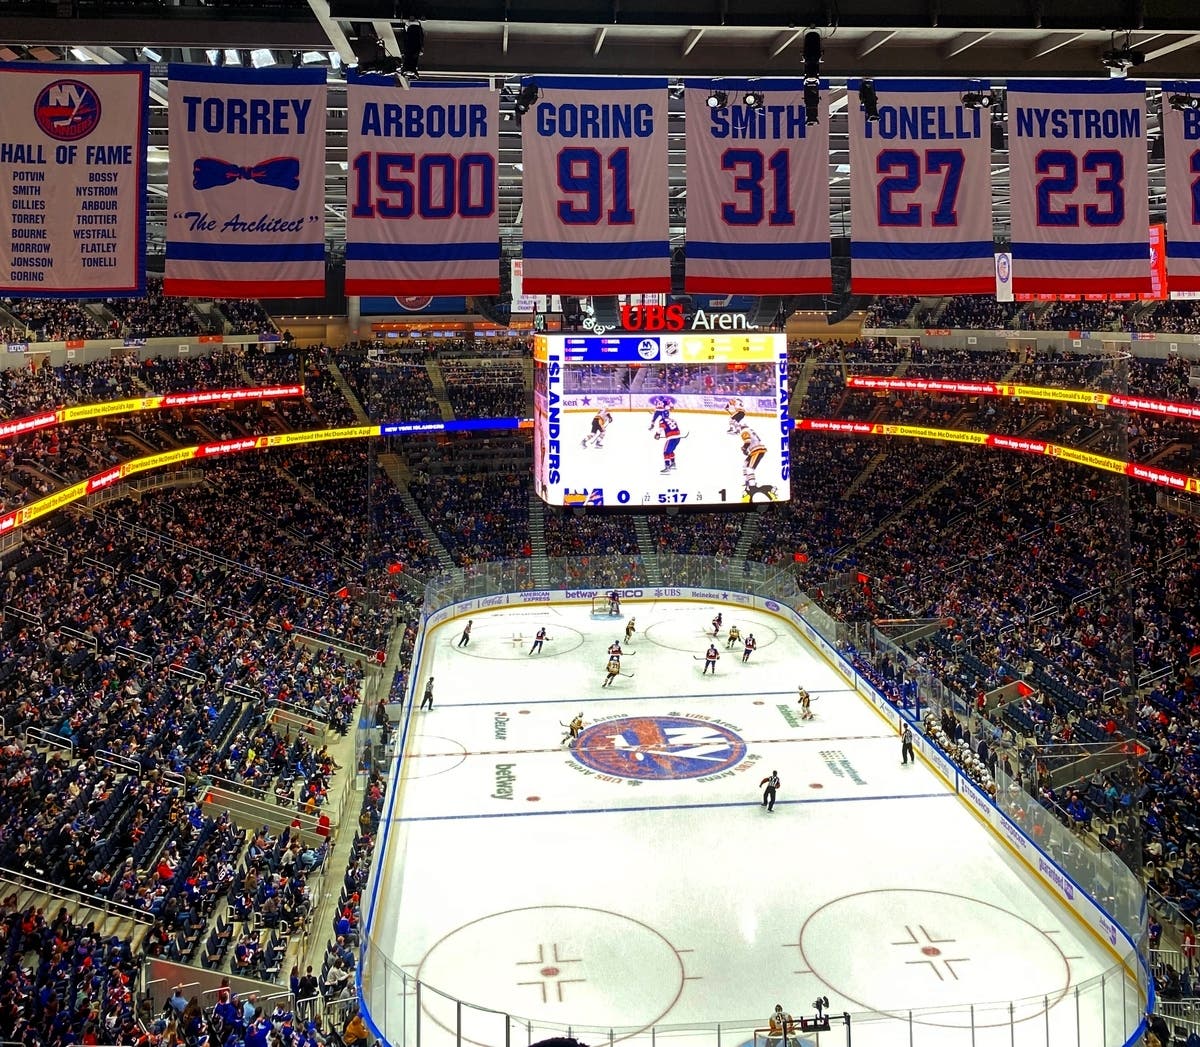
{"x":936,"y":951}
{"x":555,"y":963}
{"x":658,"y":748}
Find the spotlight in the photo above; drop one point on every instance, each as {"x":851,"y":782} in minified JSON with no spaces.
{"x":412,"y":46}
{"x":717,"y":99}
{"x":150,"y":54}
{"x":812,"y":54}
{"x":232,"y":56}
{"x":1182,"y":102}
{"x":812,"y":101}
{"x":867,"y":99}
{"x":528,"y":94}
{"x":752,"y":99}
{"x":262,"y":58}
{"x":977,"y":100}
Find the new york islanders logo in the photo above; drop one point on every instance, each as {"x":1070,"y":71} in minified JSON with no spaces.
{"x":658,"y":747}
{"x":67,"y":110}
{"x":414,"y":303}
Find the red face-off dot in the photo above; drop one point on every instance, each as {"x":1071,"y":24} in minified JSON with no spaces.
{"x":815,"y":785}
{"x":532,"y":799}
{"x":548,"y":972}
{"x":931,"y":950}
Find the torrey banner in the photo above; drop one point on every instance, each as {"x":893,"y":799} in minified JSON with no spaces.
{"x":73,"y":156}
{"x":1080,"y":218}
{"x":595,"y":192}
{"x":920,"y":190}
{"x":758,"y":190}
{"x":422,"y":215}
{"x":246,"y":191}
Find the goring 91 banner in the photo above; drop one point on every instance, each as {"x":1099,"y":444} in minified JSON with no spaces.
{"x":595,"y":186}
{"x":1080,"y":211}
{"x":920,"y":190}
{"x":422,"y":215}
{"x":758,"y":191}
{"x":73,"y":157}
{"x":1181,"y":143}
{"x":246,"y":191}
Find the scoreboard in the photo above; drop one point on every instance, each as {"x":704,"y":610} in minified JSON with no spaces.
{"x":661,"y":419}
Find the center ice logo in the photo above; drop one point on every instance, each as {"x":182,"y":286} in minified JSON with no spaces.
{"x":658,"y":747}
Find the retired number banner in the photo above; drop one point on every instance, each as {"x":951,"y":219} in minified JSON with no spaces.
{"x":421,"y":214}
{"x":1181,"y":141}
{"x":246,"y":190}
{"x":758,"y":191}
{"x":920,"y":191}
{"x":1077,"y":150}
{"x":73,"y":177}
{"x":595,"y":186}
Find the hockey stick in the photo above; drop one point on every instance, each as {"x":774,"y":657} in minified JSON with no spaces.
{"x":629,"y":675}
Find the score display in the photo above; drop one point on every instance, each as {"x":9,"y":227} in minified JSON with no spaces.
{"x":661,"y":419}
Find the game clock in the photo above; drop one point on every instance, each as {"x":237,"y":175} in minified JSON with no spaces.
{"x":661,"y":420}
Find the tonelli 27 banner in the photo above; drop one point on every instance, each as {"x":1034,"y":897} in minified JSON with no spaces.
{"x":421,"y":214}
{"x":73,"y":157}
{"x":1077,"y":151}
{"x":920,"y":190}
{"x":758,"y":191}
{"x":595,"y":186}
{"x":246,"y":191}
{"x":1181,"y":141}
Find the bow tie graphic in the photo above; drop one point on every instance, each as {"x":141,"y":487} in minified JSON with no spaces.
{"x":282,"y":172}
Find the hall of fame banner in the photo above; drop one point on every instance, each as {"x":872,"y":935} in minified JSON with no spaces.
{"x":246,"y":191}
{"x":73,"y":180}
{"x":422,"y":215}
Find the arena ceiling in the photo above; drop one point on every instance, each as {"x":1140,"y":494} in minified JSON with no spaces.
{"x":504,"y":39}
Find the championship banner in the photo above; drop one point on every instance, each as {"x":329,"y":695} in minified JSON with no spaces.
{"x":73,"y":157}
{"x":758,"y":191}
{"x":921,"y":190}
{"x":1077,"y":151}
{"x":1181,"y":142}
{"x":422,"y":215}
{"x":595,"y":192}
{"x":246,"y":191}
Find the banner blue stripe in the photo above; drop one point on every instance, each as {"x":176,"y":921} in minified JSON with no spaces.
{"x":912,"y":85}
{"x":1183,"y":249}
{"x":1135,"y":252}
{"x":488,"y":250}
{"x":921,"y":252}
{"x":745,"y":83}
{"x":353,"y":76}
{"x":1113,"y":86}
{"x":183,"y":251}
{"x":203,"y":74}
{"x":596,"y":252}
{"x":793,"y":252}
{"x":598,"y":83}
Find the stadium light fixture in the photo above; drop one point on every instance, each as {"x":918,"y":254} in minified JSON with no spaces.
{"x":528,"y":94}
{"x":868,"y":100}
{"x":813,"y":52}
{"x":753,"y":99}
{"x":232,"y":57}
{"x":717,"y":100}
{"x":412,"y":46}
{"x":812,"y":100}
{"x":1183,"y":102}
{"x":977,"y":100}
{"x":150,"y":54}
{"x":262,"y":58}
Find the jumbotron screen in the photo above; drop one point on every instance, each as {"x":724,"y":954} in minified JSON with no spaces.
{"x":671,"y":419}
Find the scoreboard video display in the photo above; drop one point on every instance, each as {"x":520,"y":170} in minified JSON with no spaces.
{"x":661,"y":419}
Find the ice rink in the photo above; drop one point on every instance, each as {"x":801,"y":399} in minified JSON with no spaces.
{"x":636,"y":879}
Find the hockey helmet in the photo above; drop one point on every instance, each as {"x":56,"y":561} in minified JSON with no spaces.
{"x":745,"y":434}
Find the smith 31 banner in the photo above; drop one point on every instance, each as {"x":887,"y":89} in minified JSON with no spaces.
{"x":758,"y":191}
{"x":1181,"y":140}
{"x":1077,"y":151}
{"x":595,"y":200}
{"x":246,"y":191}
{"x":421,"y":215}
{"x":73,"y":163}
{"x":921,"y":190}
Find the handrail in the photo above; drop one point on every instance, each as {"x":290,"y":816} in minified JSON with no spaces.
{"x":107,"y":756}
{"x":24,"y":881}
{"x":42,"y":736}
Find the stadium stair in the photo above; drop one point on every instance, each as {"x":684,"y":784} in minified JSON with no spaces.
{"x":439,"y":388}
{"x":750,"y":527}
{"x":339,"y":380}
{"x":649,"y":551}
{"x":800,"y":389}
{"x":540,"y":564}
{"x":445,"y":560}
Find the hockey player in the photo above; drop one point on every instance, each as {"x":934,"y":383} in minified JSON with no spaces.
{"x":717,"y":623}
{"x":662,"y":409}
{"x":614,"y":669}
{"x":805,"y":705}
{"x":573,"y":729}
{"x":614,"y":602}
{"x":614,"y":650}
{"x":668,"y":431}
{"x":735,"y":634}
{"x":600,"y":423}
{"x":710,"y":659}
{"x":753,"y":448}
{"x":538,"y":640}
{"x":630,"y":629}
{"x":750,"y":646}
{"x":737,"y":413}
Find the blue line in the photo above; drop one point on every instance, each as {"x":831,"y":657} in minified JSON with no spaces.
{"x":670,"y":807}
{"x":609,"y":698}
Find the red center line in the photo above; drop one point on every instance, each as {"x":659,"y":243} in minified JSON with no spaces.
{"x":645,"y":748}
